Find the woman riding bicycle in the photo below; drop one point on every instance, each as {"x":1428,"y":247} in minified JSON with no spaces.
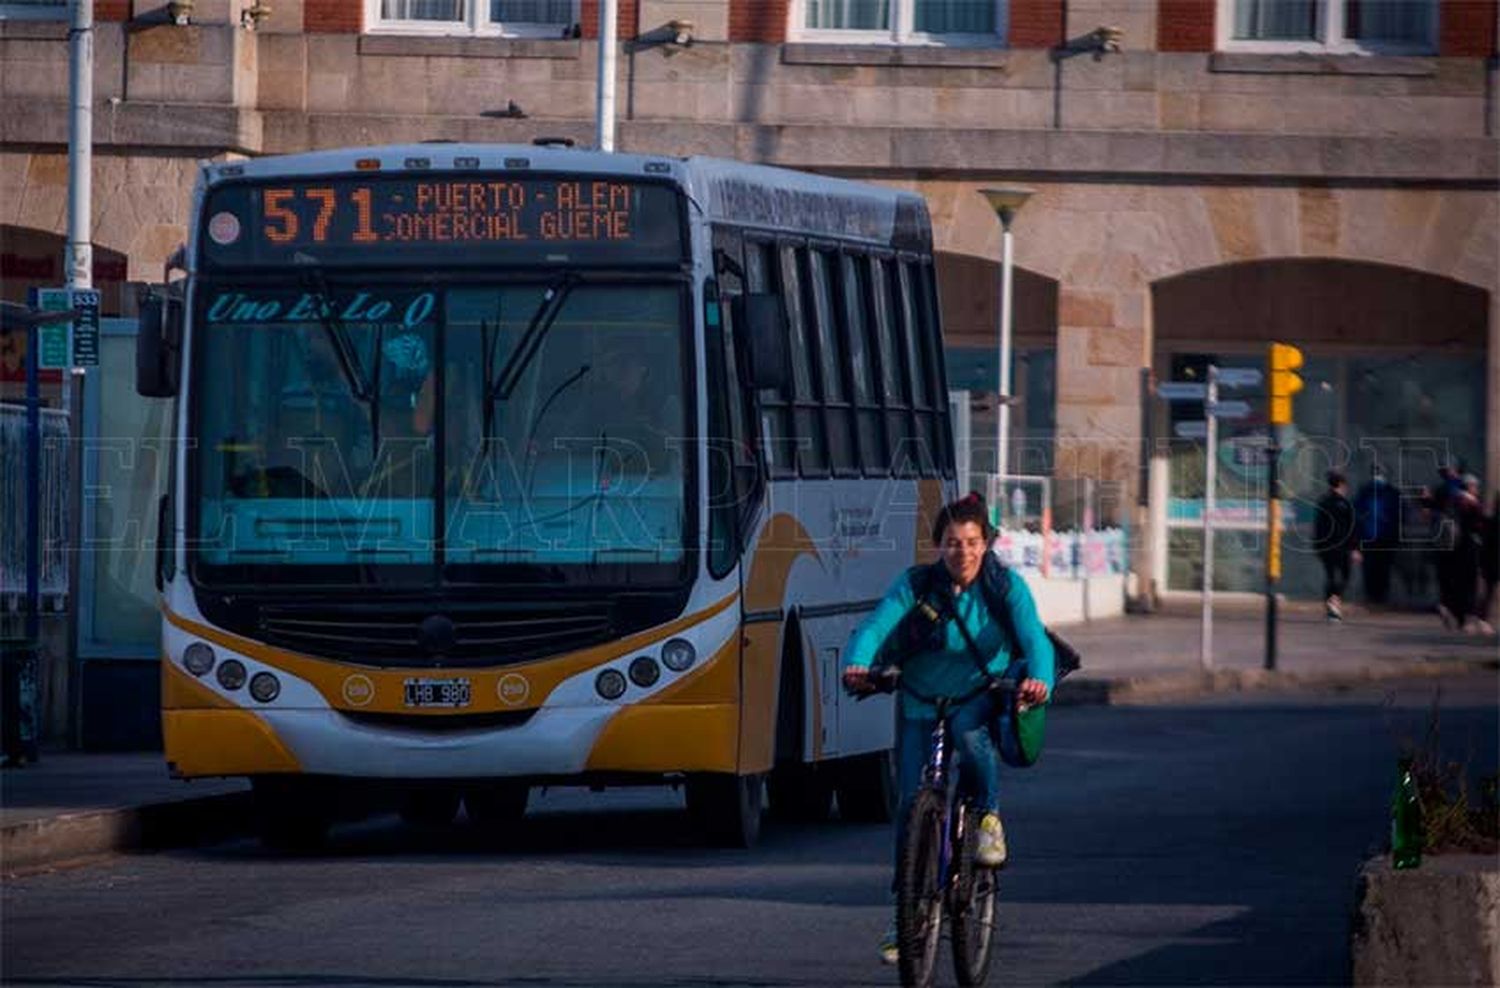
{"x":936,"y":660}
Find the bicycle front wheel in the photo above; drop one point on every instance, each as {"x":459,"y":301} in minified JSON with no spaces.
{"x":973,"y":909}
{"x":919,"y":892}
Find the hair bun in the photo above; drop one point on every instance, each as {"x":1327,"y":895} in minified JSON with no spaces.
{"x":973,"y":497}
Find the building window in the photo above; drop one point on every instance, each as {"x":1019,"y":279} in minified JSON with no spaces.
{"x":502,"y":18}
{"x":33,"y":10}
{"x":934,"y":22}
{"x":1375,"y":26}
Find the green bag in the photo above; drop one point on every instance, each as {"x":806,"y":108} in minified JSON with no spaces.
{"x":1019,"y":734}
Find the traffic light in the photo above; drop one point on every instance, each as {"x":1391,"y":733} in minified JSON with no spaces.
{"x":1285,"y":381}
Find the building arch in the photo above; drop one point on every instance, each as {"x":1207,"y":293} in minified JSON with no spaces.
{"x":32,"y":258}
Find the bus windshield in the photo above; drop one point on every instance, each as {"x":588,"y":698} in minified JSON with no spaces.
{"x":450,"y":432}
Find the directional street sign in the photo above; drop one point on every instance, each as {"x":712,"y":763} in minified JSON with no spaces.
{"x":1181,"y":391}
{"x":86,"y":327}
{"x":1239,"y":377}
{"x":52,"y":338}
{"x":1191,"y":430}
{"x":1230,"y":409}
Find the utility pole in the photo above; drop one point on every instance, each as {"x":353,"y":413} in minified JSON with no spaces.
{"x":1211,"y":479}
{"x":604,"y":118}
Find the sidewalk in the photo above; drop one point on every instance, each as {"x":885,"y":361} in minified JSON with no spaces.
{"x":70,"y":805}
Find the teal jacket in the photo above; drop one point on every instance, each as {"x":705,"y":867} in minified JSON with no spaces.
{"x":952,"y":671}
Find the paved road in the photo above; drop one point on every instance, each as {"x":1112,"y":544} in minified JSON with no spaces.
{"x":1175,"y":844}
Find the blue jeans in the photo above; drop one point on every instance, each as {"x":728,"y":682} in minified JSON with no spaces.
{"x":978,"y":762}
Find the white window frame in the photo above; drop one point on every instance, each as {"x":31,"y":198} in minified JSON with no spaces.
{"x":1331,"y":38}
{"x":476,"y":23}
{"x":58,"y":11}
{"x":902,"y":30}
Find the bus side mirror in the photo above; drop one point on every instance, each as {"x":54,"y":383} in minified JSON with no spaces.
{"x":158,"y":346}
{"x":760,"y":322}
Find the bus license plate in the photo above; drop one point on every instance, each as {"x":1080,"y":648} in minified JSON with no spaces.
{"x":437,"y":692}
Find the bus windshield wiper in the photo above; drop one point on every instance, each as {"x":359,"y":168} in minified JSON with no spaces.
{"x":365,"y":392}
{"x":338,"y":336}
{"x":542,"y":319}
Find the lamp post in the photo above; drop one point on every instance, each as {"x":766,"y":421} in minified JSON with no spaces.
{"x":1006,"y":201}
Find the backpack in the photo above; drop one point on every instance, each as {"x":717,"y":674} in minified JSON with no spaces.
{"x":1018,"y":732}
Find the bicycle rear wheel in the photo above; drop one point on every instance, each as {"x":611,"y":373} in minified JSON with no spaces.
{"x":919,"y":892}
{"x":973,"y":918}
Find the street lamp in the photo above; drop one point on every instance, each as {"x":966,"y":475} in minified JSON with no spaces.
{"x":1006,"y":201}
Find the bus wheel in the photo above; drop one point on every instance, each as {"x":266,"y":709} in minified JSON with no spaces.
{"x":497,"y":805}
{"x":429,"y":807}
{"x":800,"y":793}
{"x":291,"y":814}
{"x":726,"y":809}
{"x":867,"y":788}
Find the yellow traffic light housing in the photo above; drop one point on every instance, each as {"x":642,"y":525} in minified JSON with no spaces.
{"x":1285,"y":381}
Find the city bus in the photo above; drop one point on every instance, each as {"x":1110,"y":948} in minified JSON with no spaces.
{"x":515,"y":466}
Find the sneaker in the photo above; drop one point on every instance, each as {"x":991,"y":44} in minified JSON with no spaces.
{"x":992,"y":852}
{"x":890,"y":952}
{"x":1335,"y":609}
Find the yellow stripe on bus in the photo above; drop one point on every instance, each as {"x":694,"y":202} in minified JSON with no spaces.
{"x":223,"y":742}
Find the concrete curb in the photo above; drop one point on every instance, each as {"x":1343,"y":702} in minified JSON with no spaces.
{"x":1434,"y":925}
{"x":1084,"y":690}
{"x":154,"y":826}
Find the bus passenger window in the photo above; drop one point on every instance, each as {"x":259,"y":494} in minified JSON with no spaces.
{"x":916,"y":373}
{"x":893,"y":389}
{"x":838,"y":414}
{"x":776,"y":432}
{"x":859,"y":335}
{"x":812,"y":445}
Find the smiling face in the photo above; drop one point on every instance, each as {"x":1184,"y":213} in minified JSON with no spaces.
{"x":963,"y":551}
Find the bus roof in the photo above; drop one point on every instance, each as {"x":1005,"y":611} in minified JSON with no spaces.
{"x":778,"y":200}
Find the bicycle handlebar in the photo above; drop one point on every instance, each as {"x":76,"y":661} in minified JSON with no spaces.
{"x":888,"y":679}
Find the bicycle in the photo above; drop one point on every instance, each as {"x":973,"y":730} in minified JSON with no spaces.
{"x":937,"y":869}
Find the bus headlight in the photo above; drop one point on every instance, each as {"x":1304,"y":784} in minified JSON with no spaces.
{"x":644,"y":671}
{"x":265,"y":687}
{"x":611,"y":684}
{"x":231,"y":674}
{"x":198,"y":658}
{"x":678,"y":654}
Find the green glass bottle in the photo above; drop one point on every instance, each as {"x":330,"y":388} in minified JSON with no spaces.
{"x":1406,"y":819}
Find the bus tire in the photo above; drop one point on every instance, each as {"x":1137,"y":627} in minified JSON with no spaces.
{"x":867,"y":788}
{"x":291,"y":814}
{"x":429,"y":806}
{"x":498,"y":806}
{"x":726,"y":809}
{"x":800,"y":793}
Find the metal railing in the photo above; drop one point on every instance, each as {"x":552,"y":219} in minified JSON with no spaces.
{"x":56,"y":488}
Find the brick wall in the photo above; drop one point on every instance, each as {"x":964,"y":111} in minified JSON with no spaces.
{"x":627,"y":18}
{"x":1185,"y":25}
{"x":333,"y":16}
{"x":111,"y":10}
{"x":1466,"y":28}
{"x":761,"y":21}
{"x":1036,"y":23}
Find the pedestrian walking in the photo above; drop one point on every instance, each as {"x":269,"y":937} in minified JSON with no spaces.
{"x":1459,"y":541}
{"x":1377,"y":509}
{"x":1334,"y":541}
{"x":1489,"y":565}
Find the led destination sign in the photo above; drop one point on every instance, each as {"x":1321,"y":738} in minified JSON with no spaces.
{"x":463,"y":218}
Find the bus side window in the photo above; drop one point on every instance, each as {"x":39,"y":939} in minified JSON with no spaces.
{"x":925,"y":285}
{"x":859,"y":336}
{"x":775,"y":410}
{"x":812,"y":444}
{"x":730,"y":412}
{"x":893,"y":387}
{"x":917,"y":378}
{"x":837,"y":413}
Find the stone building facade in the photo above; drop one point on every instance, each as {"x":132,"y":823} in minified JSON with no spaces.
{"x":1209,"y":176}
